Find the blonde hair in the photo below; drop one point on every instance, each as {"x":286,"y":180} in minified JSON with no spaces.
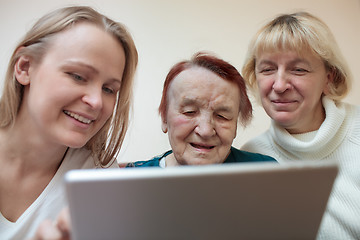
{"x":297,"y":32}
{"x":106,"y":144}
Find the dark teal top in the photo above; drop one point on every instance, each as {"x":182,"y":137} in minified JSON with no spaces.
{"x":235,"y":156}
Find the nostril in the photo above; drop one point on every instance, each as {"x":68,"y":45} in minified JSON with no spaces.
{"x":281,"y":86}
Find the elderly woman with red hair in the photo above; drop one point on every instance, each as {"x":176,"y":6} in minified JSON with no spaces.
{"x":203,"y":100}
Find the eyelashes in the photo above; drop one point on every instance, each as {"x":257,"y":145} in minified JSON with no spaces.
{"x":108,"y":89}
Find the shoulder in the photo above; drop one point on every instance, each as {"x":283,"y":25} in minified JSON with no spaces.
{"x":245,"y":156}
{"x":79,"y":153}
{"x":259,"y":144}
{"x":353,"y":115}
{"x":154,"y":162}
{"x":83,"y":158}
{"x":352,"y":111}
{"x":148,"y":163}
{"x":79,"y":158}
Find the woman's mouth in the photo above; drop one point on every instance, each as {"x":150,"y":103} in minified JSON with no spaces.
{"x":281,"y":101}
{"x":201,"y":146}
{"x":78,"y":117}
{"x":284,"y":104}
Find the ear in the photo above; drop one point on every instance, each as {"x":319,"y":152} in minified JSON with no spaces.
{"x":330,"y":79}
{"x":164,"y":127}
{"x":21,"y":70}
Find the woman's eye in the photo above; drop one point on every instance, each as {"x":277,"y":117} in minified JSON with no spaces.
{"x":222,"y":117}
{"x":267,"y":70}
{"x":108,"y":90}
{"x":189,"y":113}
{"x":75,"y":76}
{"x":300,"y":70}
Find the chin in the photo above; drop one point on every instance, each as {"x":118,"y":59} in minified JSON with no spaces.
{"x":200,"y":162}
{"x":284,"y":121}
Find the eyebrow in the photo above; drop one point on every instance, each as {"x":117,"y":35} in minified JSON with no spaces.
{"x":188,"y":101}
{"x":81,"y":64}
{"x":224,"y":109}
{"x":296,"y":60}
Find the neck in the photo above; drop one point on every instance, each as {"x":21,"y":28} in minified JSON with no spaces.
{"x":170,"y":161}
{"x":27,"y":154}
{"x":310,"y":124}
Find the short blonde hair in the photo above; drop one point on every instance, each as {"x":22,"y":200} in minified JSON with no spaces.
{"x":106,"y":144}
{"x":299,"y":31}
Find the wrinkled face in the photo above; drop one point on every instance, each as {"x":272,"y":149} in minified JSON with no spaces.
{"x":291,"y":87}
{"x":201,"y":117}
{"x":72,"y":92}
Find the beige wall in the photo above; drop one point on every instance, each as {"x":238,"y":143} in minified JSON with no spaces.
{"x":167,"y":31}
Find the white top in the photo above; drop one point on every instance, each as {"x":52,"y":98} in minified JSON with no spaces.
{"x":338,"y":138}
{"x":50,"y":201}
{"x":162,"y":162}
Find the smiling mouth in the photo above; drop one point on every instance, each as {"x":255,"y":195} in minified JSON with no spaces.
{"x":283,"y":101}
{"x":78,"y":117}
{"x":201,"y":146}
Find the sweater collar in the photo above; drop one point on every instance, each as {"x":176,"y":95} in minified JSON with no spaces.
{"x":330,"y":134}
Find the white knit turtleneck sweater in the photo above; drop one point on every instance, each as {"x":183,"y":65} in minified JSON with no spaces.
{"x":338,"y":138}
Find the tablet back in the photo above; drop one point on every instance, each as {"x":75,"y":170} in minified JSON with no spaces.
{"x":229,"y":201}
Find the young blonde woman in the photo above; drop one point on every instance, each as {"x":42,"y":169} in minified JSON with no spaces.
{"x":65,"y":105}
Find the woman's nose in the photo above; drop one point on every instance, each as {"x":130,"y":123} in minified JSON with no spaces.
{"x":93,"y":97}
{"x":205,"y":127}
{"x":281,"y":82}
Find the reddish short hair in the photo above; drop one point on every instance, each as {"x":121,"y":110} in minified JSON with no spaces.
{"x":221,"y":68}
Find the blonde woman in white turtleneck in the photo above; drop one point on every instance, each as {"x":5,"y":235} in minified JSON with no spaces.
{"x":296,"y":70}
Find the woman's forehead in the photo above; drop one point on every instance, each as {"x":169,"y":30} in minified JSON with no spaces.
{"x":202,"y":86}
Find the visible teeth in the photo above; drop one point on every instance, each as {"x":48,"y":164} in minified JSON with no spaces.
{"x":201,"y":146}
{"x":78,"y":117}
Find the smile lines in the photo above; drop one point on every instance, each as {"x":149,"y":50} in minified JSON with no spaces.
{"x":78,"y":117}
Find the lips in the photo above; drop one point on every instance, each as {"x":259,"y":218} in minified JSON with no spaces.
{"x":283,"y":101}
{"x":78,"y":117}
{"x":284,"y":104}
{"x":202,"y":146}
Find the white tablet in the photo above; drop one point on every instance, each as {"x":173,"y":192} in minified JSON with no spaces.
{"x":228,"y":201}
